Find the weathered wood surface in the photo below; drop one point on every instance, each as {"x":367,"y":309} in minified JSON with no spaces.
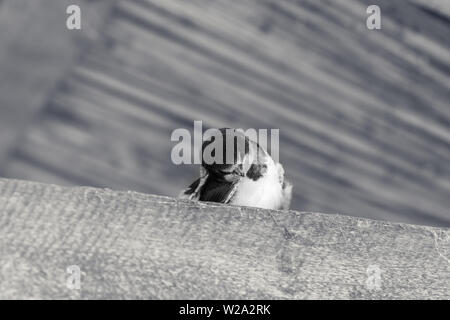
{"x":131,"y":245}
{"x":364,"y":116}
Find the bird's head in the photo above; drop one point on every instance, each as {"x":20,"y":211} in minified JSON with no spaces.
{"x":229,"y":155}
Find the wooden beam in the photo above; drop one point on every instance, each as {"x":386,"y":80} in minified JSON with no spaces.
{"x":131,"y":245}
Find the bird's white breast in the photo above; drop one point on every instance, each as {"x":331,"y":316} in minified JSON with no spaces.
{"x":266,"y":192}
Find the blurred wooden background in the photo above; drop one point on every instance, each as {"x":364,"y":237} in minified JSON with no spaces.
{"x":364,"y":116}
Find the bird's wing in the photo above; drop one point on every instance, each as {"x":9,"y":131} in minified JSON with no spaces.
{"x":217,"y":191}
{"x":190,"y":192}
{"x":193,"y":191}
{"x":209,"y":189}
{"x":287,"y":195}
{"x":286,"y":188}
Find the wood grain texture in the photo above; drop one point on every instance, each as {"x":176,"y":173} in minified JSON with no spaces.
{"x":130,"y":245}
{"x":364,"y":116}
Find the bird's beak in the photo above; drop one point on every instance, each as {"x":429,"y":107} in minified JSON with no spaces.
{"x":239,"y":172}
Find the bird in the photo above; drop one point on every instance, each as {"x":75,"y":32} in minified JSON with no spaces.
{"x":252,"y":179}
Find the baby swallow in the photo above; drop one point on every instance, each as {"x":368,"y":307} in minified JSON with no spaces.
{"x":251,"y":178}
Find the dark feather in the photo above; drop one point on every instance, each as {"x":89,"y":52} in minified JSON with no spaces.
{"x":191,"y":189}
{"x":241,"y":145}
{"x":216,"y":190}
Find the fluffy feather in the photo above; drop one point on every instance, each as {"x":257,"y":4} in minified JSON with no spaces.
{"x":254,"y":179}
